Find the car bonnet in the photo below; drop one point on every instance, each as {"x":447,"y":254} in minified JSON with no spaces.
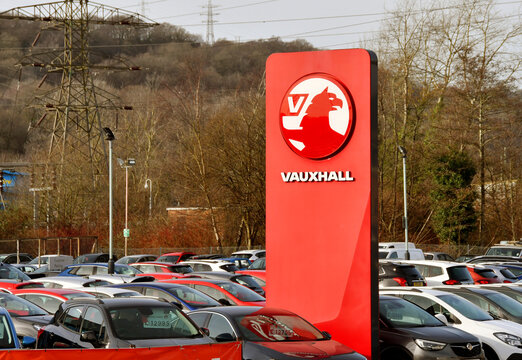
{"x":316,"y":349}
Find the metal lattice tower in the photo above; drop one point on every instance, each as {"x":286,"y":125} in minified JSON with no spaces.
{"x":210,"y":23}
{"x":75,"y":106}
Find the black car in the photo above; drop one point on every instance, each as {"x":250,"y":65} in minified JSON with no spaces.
{"x":14,"y":258}
{"x":493,"y":302}
{"x":27,"y":317}
{"x":93,"y":258}
{"x":270,"y":333}
{"x":396,"y":274}
{"x":119,"y":323}
{"x":242,"y":279}
{"x":408,"y":332}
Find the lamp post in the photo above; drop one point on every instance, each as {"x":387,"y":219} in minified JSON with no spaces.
{"x":405,"y":218}
{"x":109,"y":136}
{"x":148,"y":184}
{"x":126,"y":164}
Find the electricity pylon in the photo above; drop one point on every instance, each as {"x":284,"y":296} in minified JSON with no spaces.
{"x":75,"y":124}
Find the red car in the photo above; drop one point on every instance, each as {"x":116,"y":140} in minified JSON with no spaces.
{"x":49,"y":299}
{"x":8,"y":286}
{"x":224,"y":291}
{"x":483,"y":275}
{"x":175,"y":257}
{"x":258,"y":275}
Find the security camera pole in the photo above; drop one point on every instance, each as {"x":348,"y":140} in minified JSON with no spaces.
{"x":109,"y":136}
{"x":405,"y":218}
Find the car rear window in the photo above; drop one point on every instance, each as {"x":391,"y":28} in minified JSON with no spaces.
{"x":459,"y":273}
{"x":229,"y":267}
{"x":487,"y":273}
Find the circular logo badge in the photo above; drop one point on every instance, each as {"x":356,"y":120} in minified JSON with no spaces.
{"x":316,"y":116}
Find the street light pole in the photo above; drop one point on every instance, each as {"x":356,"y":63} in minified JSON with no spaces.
{"x":405,"y":219}
{"x":126,"y":164}
{"x":148,"y":184}
{"x":109,"y":136}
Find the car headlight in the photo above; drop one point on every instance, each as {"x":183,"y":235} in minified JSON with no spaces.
{"x":509,"y":339}
{"x":429,"y":345}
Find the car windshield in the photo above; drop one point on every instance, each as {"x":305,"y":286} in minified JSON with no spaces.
{"x":6,"y":337}
{"x":240,"y":292}
{"x":508,"y":274}
{"x":229,"y":267}
{"x":264,"y":326}
{"x":465,"y":307}
{"x":247,"y":281}
{"x":11,"y":272}
{"x":403,"y":314}
{"x":42,"y":259}
{"x":504,"y":251}
{"x":18,"y":307}
{"x":460,"y":273}
{"x":169,"y":258}
{"x":181,"y":269}
{"x":126,"y":270}
{"x":151,"y":322}
{"x":487,"y":273}
{"x":77,"y":295}
{"x":194,"y":298}
{"x":512,"y":306}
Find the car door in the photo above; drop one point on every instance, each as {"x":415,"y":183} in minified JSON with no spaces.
{"x":94,"y":328}
{"x":432,"y":307}
{"x":66,"y":332}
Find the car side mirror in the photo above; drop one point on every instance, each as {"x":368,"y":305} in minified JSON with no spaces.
{"x":225,"y":337}
{"x":205,"y":331}
{"x":442,"y":318}
{"x":88,"y":336}
{"x":28,"y":342}
{"x":177,"y":304}
{"x":224,"y":302}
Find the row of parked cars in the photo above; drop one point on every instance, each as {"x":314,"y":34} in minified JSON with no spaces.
{"x":430,"y":308}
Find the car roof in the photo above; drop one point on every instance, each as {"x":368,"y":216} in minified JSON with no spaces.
{"x":197,"y":280}
{"x":156,"y":284}
{"x":440,"y":263}
{"x":237,"y":310}
{"x":247,"y":252}
{"x":121,"y":301}
{"x":44,"y":290}
{"x":205,"y":261}
{"x":424,"y":290}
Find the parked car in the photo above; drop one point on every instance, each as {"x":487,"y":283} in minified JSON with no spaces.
{"x":9,"y":272}
{"x":71,"y":282}
{"x":269,"y":333}
{"x":442,"y":272}
{"x":211,"y":265}
{"x":62,"y":260}
{"x":491,"y":258}
{"x":514,"y":292}
{"x":482,"y":274}
{"x":408,"y":332}
{"x":49,"y":299}
{"x":25,"y":268}
{"x":504,"y":273}
{"x":505,"y":249}
{"x":175,"y":257}
{"x":224,"y":291}
{"x":16,"y":258}
{"x":129,"y":259}
{"x":93,"y":258}
{"x":397,"y":250}
{"x":103,"y":292}
{"x":442,"y":256}
{"x":9,"y":285}
{"x":465,"y":258}
{"x":159,"y":267}
{"x":241,"y":263}
{"x":185,"y":297}
{"x":258,"y":264}
{"x":258,"y":275}
{"x":27,"y":317}
{"x":8,"y":335}
{"x":396,"y":274}
{"x":97,"y":269}
{"x":501,"y":339}
{"x":251,"y":255}
{"x":119,"y":323}
{"x":493,"y":302}
{"x":241,"y":279}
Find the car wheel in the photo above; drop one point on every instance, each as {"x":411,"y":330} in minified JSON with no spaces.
{"x":489,"y":353}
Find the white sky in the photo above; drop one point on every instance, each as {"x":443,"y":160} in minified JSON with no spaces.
{"x":326,"y":24}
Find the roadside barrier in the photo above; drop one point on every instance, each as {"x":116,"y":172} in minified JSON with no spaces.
{"x":220,"y":351}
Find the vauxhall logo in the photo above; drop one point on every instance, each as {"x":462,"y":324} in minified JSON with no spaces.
{"x":316,"y":119}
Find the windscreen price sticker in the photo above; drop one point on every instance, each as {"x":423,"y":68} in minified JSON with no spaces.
{"x":158,"y":322}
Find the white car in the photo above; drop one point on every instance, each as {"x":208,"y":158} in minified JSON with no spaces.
{"x":211,"y":265}
{"x":110,"y":292}
{"x":249,"y":254}
{"x":442,"y":272}
{"x":501,"y":339}
{"x":71,"y":282}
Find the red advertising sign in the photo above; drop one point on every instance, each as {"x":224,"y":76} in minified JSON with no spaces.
{"x":321,"y":167}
